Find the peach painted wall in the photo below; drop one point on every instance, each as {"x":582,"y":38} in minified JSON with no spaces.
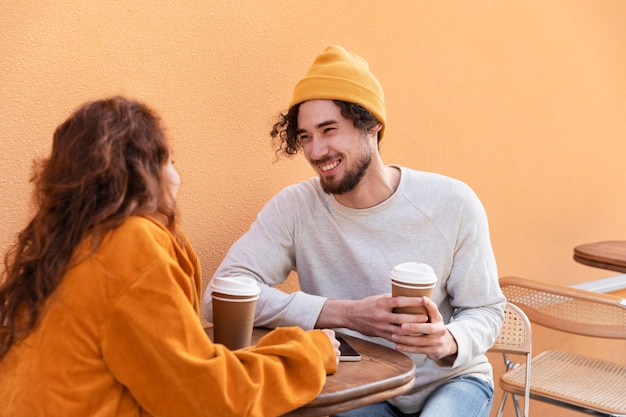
{"x":524,"y":101}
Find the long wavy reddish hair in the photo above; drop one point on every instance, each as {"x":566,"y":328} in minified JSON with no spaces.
{"x":107,"y":163}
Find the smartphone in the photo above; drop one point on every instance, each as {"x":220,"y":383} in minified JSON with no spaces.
{"x":348,"y":353}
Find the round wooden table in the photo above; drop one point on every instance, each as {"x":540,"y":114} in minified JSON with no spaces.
{"x":382,"y":373}
{"x":609,"y":254}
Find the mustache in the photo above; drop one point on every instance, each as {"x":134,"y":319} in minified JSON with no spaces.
{"x":325,"y":160}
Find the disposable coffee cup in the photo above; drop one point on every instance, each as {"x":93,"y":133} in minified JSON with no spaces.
{"x":234,"y":305}
{"x":412,"y":279}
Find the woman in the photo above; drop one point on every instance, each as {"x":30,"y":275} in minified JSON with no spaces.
{"x":99,"y":301}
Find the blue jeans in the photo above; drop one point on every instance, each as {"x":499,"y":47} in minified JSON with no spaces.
{"x":461,"y":396}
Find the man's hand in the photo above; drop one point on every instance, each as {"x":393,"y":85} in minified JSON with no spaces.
{"x":373,"y":316}
{"x":431,"y":339}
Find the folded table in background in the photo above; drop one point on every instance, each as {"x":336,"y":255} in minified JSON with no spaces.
{"x":610,"y":254}
{"x":382,"y":373}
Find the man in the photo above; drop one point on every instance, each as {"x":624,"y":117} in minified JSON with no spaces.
{"x":344,"y":231}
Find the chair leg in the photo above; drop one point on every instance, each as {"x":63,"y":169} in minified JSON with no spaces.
{"x":509,"y":365}
{"x":515,"y":404}
{"x":518,"y":413}
{"x":502,"y":402}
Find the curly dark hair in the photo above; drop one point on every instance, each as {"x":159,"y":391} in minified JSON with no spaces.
{"x":107,"y":163}
{"x":284,"y":132}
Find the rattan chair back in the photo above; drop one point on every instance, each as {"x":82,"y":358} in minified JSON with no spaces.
{"x":568,"y":309}
{"x":515,"y":338}
{"x":515,"y":335}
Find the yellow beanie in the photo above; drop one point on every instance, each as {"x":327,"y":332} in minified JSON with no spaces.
{"x":337,"y":74}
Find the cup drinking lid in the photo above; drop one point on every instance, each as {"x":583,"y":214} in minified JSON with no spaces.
{"x":235,"y":285}
{"x":413,"y":272}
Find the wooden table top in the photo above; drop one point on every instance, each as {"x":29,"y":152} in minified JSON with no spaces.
{"x":610,"y":254}
{"x":382,"y":373}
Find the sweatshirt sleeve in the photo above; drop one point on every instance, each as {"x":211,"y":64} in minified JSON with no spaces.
{"x":154,"y":344}
{"x":266,"y":253}
{"x":473,"y":285}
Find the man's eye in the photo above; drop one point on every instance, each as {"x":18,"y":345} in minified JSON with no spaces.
{"x":302,"y":137}
{"x":329,"y":129}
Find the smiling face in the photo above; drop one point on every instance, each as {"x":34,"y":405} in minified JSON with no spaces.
{"x":339,"y":152}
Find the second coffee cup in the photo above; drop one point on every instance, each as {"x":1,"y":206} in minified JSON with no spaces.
{"x":234,"y":305}
{"x":412,"y":279}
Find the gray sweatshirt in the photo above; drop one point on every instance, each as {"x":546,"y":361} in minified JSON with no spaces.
{"x":344,"y":253}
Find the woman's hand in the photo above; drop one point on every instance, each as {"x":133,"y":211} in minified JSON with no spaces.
{"x":331,"y":336}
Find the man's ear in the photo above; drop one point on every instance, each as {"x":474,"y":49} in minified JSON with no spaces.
{"x":374,"y":130}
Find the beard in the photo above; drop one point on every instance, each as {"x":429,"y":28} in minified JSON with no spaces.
{"x":351,"y":178}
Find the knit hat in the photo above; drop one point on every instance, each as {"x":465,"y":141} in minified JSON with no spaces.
{"x":337,"y":74}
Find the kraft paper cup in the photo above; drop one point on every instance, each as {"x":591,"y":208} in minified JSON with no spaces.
{"x":234,"y":305}
{"x":412,"y":279}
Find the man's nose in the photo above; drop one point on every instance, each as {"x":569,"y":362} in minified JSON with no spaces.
{"x":319,"y":147}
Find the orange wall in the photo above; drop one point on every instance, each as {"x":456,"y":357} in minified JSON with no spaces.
{"x":522,"y":100}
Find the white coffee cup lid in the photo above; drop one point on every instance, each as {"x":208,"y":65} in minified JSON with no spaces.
{"x":237,"y":300}
{"x":235,"y":285}
{"x":413,"y":273}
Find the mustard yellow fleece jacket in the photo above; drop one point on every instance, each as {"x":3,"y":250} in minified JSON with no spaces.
{"x":121,"y":336}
